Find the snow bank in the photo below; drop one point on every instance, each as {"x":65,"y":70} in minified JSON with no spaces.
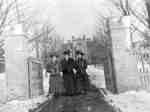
{"x":22,"y":106}
{"x":45,"y":81}
{"x":132,"y":101}
{"x":97,"y":77}
{"x":2,"y":87}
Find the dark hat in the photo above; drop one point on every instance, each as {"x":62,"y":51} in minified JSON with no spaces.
{"x":52,"y":54}
{"x":79,"y":52}
{"x":82,"y":53}
{"x":67,"y":52}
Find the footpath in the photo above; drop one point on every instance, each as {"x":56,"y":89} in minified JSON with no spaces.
{"x":92,"y":102}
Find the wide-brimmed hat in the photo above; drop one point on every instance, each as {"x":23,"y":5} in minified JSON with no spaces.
{"x":79,"y":52}
{"x":52,"y":54}
{"x":67,"y":52}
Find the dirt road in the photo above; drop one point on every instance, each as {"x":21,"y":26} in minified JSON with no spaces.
{"x":92,"y":102}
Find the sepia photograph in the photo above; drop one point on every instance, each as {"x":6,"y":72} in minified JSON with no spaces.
{"x":74,"y":55}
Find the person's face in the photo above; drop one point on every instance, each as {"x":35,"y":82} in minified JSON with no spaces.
{"x":66,"y":56}
{"x":54,"y":58}
{"x":79,"y":56}
{"x":71,"y":55}
{"x":82,"y":56}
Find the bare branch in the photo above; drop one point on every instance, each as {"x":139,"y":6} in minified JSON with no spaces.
{"x":41,"y":34}
{"x":139,"y":17}
{"x":4,"y":15}
{"x":121,"y":6}
{"x":147,"y":4}
{"x":137,"y":29}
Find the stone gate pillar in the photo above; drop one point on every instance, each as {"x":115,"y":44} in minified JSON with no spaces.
{"x":125,"y":64}
{"x":16,"y":63}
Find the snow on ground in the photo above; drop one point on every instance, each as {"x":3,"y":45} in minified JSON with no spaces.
{"x":23,"y":105}
{"x":97,"y":77}
{"x":132,"y":101}
{"x":2,"y":87}
{"x":45,"y":82}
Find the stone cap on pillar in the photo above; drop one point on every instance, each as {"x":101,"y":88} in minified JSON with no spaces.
{"x":120,"y":22}
{"x":18,"y":29}
{"x":14,"y":30}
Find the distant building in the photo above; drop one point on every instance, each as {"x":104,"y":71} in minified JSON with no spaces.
{"x":94,"y":51}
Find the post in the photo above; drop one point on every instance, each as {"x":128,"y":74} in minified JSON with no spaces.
{"x":16,"y":64}
{"x":124,"y":62}
{"x":37,"y":49}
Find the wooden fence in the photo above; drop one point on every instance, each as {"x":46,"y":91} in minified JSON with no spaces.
{"x":145,"y":81}
{"x":35,"y":77}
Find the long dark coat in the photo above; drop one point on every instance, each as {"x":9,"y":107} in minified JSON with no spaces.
{"x":67,"y":67}
{"x":82,"y":81}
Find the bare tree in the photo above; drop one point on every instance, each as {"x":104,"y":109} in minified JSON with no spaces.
{"x":41,"y":37}
{"x":5,"y":10}
{"x":12,"y":11}
{"x":141,"y":16}
{"x":122,"y":6}
{"x":125,"y":7}
{"x":49,"y":42}
{"x":147,"y":4}
{"x":102,"y":29}
{"x":45,"y":40}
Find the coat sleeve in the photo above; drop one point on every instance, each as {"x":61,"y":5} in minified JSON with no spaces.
{"x":49,"y":68}
{"x":75,"y":65}
{"x":60,"y":65}
{"x":85,"y":64}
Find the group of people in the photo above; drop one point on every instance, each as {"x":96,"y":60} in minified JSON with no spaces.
{"x":68,"y":76}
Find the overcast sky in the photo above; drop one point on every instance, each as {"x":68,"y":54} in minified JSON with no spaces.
{"x":70,"y":17}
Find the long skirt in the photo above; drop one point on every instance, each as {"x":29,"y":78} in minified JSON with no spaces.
{"x":79,"y":85}
{"x":82,"y":83}
{"x":69,"y":84}
{"x":56,"y":84}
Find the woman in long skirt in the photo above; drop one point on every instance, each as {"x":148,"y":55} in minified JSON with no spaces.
{"x":82,"y":81}
{"x":55,"y":82}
